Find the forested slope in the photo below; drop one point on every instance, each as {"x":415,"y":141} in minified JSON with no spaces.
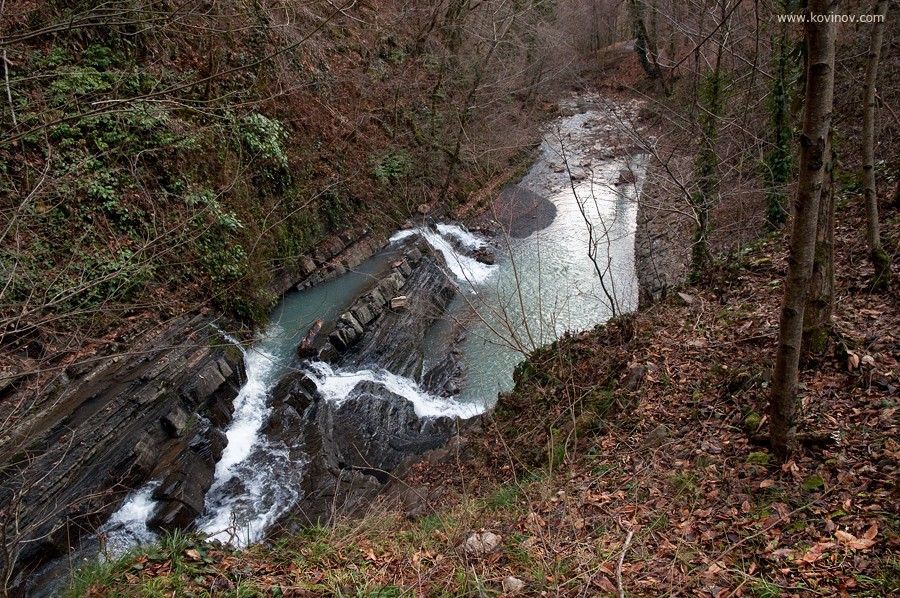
{"x":158,"y":156}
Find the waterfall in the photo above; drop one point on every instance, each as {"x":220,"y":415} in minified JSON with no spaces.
{"x":464,"y":268}
{"x":335,"y":386}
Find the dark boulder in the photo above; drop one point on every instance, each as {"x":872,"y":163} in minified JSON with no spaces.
{"x":393,"y":338}
{"x":375,"y":430}
{"x":351,"y":447}
{"x":181,"y":494}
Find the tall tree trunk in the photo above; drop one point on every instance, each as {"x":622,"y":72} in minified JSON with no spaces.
{"x":707,"y":165}
{"x":820,"y":299}
{"x":778,"y":160}
{"x":644,"y":43}
{"x":880,"y":258}
{"x":783,"y":401}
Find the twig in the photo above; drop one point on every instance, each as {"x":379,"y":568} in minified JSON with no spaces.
{"x":622,"y":560}
{"x":12,"y":109}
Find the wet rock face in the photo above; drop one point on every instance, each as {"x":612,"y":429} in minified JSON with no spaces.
{"x":352,"y":447}
{"x":391,"y":338}
{"x":115,"y":426}
{"x":181,"y":493}
{"x":375,"y":430}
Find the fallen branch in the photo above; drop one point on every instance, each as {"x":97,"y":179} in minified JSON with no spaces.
{"x":622,"y":560}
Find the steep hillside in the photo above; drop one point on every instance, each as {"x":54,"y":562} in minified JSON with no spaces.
{"x":160,"y":157}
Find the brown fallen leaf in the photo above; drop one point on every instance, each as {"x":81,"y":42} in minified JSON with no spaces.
{"x":603,"y":582}
{"x":815,"y":553}
{"x":854,"y":543}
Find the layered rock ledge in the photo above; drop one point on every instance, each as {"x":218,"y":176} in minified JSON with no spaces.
{"x":109,"y":429}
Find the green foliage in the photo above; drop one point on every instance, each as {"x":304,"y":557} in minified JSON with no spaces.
{"x":752,"y":421}
{"x":215,"y":237}
{"x":79,"y":81}
{"x":208,"y":204}
{"x":779,"y":160}
{"x":813,"y":483}
{"x":759,"y":458}
{"x":505,"y":497}
{"x":384,"y":592}
{"x":335,"y":209}
{"x":102,"y":573}
{"x":762,"y":588}
{"x":264,"y":137}
{"x":685,"y":483}
{"x":391,"y":167}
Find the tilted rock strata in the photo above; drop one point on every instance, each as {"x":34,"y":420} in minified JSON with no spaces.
{"x":117,"y":425}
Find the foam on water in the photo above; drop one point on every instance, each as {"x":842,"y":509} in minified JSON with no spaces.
{"x":127,"y":527}
{"x":250,"y":412}
{"x":239,"y":514}
{"x":462,"y":235}
{"x":466,"y":269}
{"x":335,"y":386}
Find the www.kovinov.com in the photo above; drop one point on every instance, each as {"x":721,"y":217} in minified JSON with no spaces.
{"x":830,"y":18}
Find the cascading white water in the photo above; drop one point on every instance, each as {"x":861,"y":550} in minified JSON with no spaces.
{"x":250,"y":411}
{"x":242,"y":517}
{"x":468,"y":239}
{"x":467,"y":270}
{"x":127,"y":527}
{"x":335,"y":386}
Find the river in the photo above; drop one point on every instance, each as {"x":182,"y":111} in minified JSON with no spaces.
{"x":542,"y":285}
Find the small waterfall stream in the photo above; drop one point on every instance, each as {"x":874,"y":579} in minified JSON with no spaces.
{"x":540,"y":287}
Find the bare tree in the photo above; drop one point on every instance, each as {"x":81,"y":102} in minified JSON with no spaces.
{"x":783,"y":403}
{"x":881,"y":260}
{"x":820,"y":298}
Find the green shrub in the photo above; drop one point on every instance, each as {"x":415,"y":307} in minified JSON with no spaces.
{"x":391,"y":167}
{"x":265,"y":138}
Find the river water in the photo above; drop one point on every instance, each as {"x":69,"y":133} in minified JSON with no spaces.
{"x":540,"y":287}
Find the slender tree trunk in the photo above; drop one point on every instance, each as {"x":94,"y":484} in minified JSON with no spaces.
{"x":644,"y":43}
{"x":783,"y":402}
{"x":820,"y":299}
{"x":778,"y":160}
{"x":880,"y":258}
{"x":707,"y":165}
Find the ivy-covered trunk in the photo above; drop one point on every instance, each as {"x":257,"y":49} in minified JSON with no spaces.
{"x":881,"y":259}
{"x":644,"y":44}
{"x":778,"y":161}
{"x":706,"y":169}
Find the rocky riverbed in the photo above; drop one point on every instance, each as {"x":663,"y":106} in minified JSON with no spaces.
{"x":400,"y":351}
